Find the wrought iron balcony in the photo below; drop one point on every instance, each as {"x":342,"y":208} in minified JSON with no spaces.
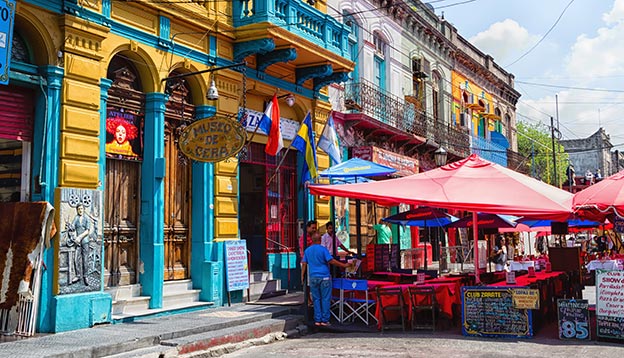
{"x":405,"y":114}
{"x":296,"y":17}
{"x":489,"y":150}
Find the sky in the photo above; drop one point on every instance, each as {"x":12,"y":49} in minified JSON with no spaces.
{"x":584,"y":50}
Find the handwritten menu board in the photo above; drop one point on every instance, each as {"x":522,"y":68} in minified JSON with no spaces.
{"x":490,"y":312}
{"x":610,"y":304}
{"x":573,"y":317}
{"x":236,"y":269}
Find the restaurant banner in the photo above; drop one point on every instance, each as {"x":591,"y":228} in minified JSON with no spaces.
{"x":403,"y":164}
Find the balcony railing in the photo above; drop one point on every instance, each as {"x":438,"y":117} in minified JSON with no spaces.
{"x":297,"y":17}
{"x":405,"y":114}
{"x":489,"y":150}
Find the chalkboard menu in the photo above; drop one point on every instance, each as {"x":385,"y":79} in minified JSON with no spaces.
{"x":490,"y":312}
{"x":573,"y":317}
{"x":610,"y":304}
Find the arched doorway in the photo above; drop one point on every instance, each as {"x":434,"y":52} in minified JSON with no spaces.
{"x":124,"y":150}
{"x":178,"y":195}
{"x":16,"y":132}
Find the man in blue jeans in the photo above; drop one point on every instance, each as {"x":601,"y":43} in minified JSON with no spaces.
{"x":317,"y":259}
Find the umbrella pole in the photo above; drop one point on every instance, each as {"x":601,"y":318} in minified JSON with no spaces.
{"x":425,"y":242}
{"x":358,"y":229}
{"x":475,"y":237}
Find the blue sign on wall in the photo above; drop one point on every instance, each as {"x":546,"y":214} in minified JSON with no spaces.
{"x":7,"y":20}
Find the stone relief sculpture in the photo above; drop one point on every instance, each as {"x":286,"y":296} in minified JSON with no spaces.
{"x":80,"y":249}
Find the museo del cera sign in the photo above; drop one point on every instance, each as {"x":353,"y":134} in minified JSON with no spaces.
{"x":212,"y":139}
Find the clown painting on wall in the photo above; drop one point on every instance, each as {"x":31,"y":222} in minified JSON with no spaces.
{"x":124,"y":138}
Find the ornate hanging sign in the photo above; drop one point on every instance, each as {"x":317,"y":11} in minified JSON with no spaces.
{"x":212,"y":139}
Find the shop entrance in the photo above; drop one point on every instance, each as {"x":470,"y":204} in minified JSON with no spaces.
{"x":178,"y":190}
{"x":268,"y":205}
{"x":252,"y":216}
{"x":124,"y":153}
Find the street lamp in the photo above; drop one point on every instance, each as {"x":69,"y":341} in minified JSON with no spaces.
{"x":213,"y":93}
{"x":440,"y":156}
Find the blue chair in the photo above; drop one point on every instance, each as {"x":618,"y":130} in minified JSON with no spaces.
{"x":356,"y":303}
{"x":335,"y":308}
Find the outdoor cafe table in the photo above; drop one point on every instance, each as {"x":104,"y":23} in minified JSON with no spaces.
{"x":550,"y":285}
{"x":446,"y":295}
{"x":604,"y":265}
{"x":520,"y":265}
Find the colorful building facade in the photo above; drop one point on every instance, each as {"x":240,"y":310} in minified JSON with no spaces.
{"x":101,"y":92}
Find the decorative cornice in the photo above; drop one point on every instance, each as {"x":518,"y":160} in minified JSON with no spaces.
{"x":305,"y":73}
{"x":281,"y":55}
{"x":336,"y":77}
{"x":247,"y":48}
{"x":83,"y":38}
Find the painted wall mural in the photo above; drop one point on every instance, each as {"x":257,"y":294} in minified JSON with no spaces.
{"x":80,"y":246}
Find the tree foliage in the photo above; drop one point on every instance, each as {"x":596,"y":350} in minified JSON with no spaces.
{"x":535,"y":144}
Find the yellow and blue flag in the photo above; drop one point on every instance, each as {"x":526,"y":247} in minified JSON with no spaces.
{"x":304,"y":143}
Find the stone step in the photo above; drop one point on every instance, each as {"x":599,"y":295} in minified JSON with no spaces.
{"x":123,"y":292}
{"x":177,"y":285}
{"x":260,"y":276}
{"x":177,"y":298}
{"x":130,"y":304}
{"x":265,"y":289}
{"x":132,"y":315}
{"x":210,"y":342}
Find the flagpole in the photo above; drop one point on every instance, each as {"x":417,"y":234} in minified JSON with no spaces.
{"x":279,"y":165}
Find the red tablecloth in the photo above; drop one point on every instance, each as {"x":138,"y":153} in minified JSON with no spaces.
{"x":525,"y":280}
{"x":446,"y":295}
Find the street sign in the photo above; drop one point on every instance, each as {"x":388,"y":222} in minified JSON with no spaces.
{"x":7,"y":20}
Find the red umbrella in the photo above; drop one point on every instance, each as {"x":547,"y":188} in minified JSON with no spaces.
{"x":602,"y":199}
{"x":471,"y":184}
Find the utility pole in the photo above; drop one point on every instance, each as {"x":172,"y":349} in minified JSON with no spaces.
{"x":554,"y":153}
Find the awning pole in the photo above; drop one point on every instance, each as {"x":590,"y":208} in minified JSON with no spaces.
{"x":475,"y":236}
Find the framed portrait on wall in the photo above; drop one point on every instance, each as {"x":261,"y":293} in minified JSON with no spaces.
{"x":124,"y":134}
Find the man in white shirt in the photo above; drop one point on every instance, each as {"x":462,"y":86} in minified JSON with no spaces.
{"x":329,"y":240}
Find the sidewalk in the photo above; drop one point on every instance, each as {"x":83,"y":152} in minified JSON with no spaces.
{"x":165,"y":336}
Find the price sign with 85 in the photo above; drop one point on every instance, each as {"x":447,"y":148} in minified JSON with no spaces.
{"x":578,"y":330}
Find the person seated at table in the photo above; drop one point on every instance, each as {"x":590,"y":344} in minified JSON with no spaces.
{"x":331,"y":242}
{"x":602,"y":243}
{"x":499,"y":254}
{"x":317,"y":259}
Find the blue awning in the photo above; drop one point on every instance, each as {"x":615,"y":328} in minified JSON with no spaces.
{"x":499,"y":138}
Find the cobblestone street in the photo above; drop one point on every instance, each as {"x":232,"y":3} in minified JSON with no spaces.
{"x":440,"y":344}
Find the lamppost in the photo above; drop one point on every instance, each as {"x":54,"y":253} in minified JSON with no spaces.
{"x":440,"y":159}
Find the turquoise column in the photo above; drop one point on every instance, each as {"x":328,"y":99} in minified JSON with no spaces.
{"x":152,"y":200}
{"x":105,"y":85}
{"x":45,"y":174}
{"x":202,"y":216}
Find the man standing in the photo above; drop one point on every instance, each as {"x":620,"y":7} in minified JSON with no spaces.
{"x":384,"y":234}
{"x":330,"y":241}
{"x":311,"y":227}
{"x":317,"y":259}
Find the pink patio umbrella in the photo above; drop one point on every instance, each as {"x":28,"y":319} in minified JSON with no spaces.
{"x":600,"y":200}
{"x":471,"y":184}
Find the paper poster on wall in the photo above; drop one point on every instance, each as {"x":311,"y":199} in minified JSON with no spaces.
{"x":80,"y":245}
{"x":124,"y":134}
{"x":236,"y":269}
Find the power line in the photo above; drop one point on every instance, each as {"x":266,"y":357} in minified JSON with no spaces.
{"x":571,"y":87}
{"x":543,"y":37}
